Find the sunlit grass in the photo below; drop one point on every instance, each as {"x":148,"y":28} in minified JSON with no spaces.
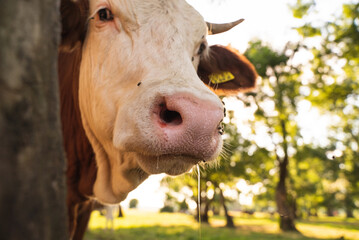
{"x":134,"y":218}
{"x":140,"y":225}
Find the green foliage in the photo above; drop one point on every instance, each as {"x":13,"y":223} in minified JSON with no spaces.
{"x":301,"y":8}
{"x":315,"y":179}
{"x":336,"y":90}
{"x":282,"y":93}
{"x":309,"y":31}
{"x":263,"y":57}
{"x":168,"y":209}
{"x":133,"y":203}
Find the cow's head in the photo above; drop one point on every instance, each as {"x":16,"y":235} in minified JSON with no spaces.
{"x":144,"y":103}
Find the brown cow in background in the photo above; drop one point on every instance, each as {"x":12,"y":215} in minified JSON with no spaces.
{"x":134,"y":99}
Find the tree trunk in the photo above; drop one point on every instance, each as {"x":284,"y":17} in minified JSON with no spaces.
{"x":205,"y":218}
{"x":32,"y":186}
{"x":215,"y":211}
{"x":286,"y":212}
{"x":315,"y":214}
{"x":120,"y":212}
{"x":229,"y":218}
{"x":349,"y":213}
{"x":330,"y":211}
{"x":349,"y":205}
{"x":285,"y":208}
{"x":204,"y":213}
{"x":206,"y":202}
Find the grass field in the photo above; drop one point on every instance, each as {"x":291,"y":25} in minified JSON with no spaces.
{"x":139,"y":225}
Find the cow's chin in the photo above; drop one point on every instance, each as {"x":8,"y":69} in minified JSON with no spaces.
{"x":169,"y":164}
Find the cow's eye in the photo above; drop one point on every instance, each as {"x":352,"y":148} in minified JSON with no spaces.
{"x":105,"y":14}
{"x":202,"y":47}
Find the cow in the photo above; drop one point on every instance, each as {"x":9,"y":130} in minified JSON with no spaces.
{"x":137,"y":88}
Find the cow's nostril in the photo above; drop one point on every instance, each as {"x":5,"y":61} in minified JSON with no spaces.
{"x":170,"y":117}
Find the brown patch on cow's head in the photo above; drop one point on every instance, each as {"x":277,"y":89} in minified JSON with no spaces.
{"x":229,"y":61}
{"x":74,"y":16}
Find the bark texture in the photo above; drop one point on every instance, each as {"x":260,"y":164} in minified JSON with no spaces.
{"x":32,"y":169}
{"x":229,"y":218}
{"x":285,"y":205}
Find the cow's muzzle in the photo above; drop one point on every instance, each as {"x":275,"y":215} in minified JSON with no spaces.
{"x":188,"y":126}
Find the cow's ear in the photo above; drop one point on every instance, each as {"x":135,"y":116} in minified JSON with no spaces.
{"x":74,"y":14}
{"x":227,"y":71}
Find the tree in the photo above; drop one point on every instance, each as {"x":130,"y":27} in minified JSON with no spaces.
{"x":336,"y":89}
{"x":223,"y":174}
{"x":133,"y":203}
{"x":311,"y":170}
{"x":279,"y":78}
{"x":32,"y":188}
{"x":238,"y":160}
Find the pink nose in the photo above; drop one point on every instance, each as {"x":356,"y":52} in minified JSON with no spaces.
{"x":189,"y":126}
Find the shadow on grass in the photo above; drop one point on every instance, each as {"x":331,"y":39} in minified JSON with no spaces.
{"x":186,"y":233}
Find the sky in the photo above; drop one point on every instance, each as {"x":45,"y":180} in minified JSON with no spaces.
{"x":266,"y":20}
{"x":270,"y":21}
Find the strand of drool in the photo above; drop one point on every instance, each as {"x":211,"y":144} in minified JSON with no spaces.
{"x":199,"y":204}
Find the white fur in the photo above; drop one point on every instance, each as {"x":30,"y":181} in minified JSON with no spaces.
{"x":152,"y":42}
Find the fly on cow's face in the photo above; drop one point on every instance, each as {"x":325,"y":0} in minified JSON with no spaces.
{"x":220,"y":128}
{"x":139,"y":83}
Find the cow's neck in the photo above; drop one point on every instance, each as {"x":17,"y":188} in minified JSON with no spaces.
{"x":81,"y":165}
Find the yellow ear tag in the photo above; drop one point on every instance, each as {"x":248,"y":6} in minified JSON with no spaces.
{"x":222,"y":77}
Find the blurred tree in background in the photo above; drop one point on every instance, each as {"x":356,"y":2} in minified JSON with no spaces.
{"x":335,"y":89}
{"x":300,"y":176}
{"x":276,"y":105}
{"x":133,"y":203}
